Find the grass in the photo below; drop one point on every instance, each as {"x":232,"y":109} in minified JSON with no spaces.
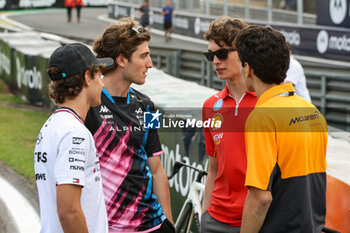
{"x":18,"y":132}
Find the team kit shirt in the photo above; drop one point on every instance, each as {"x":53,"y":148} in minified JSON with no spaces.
{"x":123,"y":147}
{"x":227,"y":145}
{"x":65,"y":154}
{"x":286,"y":141}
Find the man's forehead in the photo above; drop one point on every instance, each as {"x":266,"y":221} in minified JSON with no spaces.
{"x":142,"y":48}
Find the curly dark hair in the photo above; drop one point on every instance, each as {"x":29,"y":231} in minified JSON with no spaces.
{"x":266,"y":51}
{"x":224,"y":29}
{"x":68,"y":87}
{"x":122,"y":38}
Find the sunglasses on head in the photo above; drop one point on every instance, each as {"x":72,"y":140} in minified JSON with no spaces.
{"x":136,"y":30}
{"x":221,"y":54}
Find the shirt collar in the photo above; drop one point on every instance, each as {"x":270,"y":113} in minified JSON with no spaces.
{"x":225,"y":93}
{"x":273,"y":91}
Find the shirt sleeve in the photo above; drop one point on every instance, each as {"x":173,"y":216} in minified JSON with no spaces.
{"x":209,"y":142}
{"x":261,"y":151}
{"x":70,"y":162}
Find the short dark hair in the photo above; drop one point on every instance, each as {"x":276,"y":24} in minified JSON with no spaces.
{"x":266,"y":51}
{"x":68,"y":88}
{"x":224,"y":29}
{"x":122,"y":38}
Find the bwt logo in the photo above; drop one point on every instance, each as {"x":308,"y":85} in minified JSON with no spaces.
{"x":151,"y":120}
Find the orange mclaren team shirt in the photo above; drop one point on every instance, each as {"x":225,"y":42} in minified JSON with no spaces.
{"x":227,"y":145}
{"x":286,"y":141}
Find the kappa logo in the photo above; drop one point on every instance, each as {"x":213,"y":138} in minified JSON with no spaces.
{"x":104,"y":109}
{"x":337,"y":10}
{"x":77,"y":140}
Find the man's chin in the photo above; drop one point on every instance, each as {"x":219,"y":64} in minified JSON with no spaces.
{"x":140,"y":82}
{"x":224,"y":78}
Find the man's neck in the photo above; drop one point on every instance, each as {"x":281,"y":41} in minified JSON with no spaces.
{"x":116,"y":85}
{"x":261,"y":87}
{"x":79,"y":104}
{"x":236,"y":87}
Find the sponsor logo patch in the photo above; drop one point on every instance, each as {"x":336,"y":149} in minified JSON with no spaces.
{"x":217,"y":138}
{"x":218,"y":119}
{"x":104,"y":109}
{"x":77,"y":140}
{"x":76,"y":181}
{"x":304,"y":118}
{"x":218,"y":104}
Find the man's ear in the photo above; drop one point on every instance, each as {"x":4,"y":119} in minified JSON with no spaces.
{"x":87,"y":78}
{"x":121,"y":60}
{"x":248,"y":70}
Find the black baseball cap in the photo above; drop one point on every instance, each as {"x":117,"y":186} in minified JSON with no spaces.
{"x":73,"y":59}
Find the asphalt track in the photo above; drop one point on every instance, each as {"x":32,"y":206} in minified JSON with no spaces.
{"x":93,"y":22}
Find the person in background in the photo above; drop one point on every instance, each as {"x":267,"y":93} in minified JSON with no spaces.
{"x":225,"y":193}
{"x":70,"y":4}
{"x":168,"y":13}
{"x":135,"y":183}
{"x":65,"y":161}
{"x":296,"y":76}
{"x":286,"y":142}
{"x":144,"y":12}
{"x":78,"y":6}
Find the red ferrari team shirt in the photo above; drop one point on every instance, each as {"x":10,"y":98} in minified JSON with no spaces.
{"x":227,"y":145}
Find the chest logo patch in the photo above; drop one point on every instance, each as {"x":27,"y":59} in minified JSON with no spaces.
{"x":218,"y":104}
{"x":104,"y":109}
{"x":217,"y":138}
{"x":218,"y":119}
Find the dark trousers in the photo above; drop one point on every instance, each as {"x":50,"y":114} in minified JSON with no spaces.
{"x":211,"y":225}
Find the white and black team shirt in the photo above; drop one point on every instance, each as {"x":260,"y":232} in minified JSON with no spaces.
{"x":65,"y":154}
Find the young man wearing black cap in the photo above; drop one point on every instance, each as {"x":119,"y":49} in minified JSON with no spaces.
{"x":66,"y":164}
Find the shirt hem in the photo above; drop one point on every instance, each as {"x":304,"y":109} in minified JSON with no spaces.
{"x":146,"y":231}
